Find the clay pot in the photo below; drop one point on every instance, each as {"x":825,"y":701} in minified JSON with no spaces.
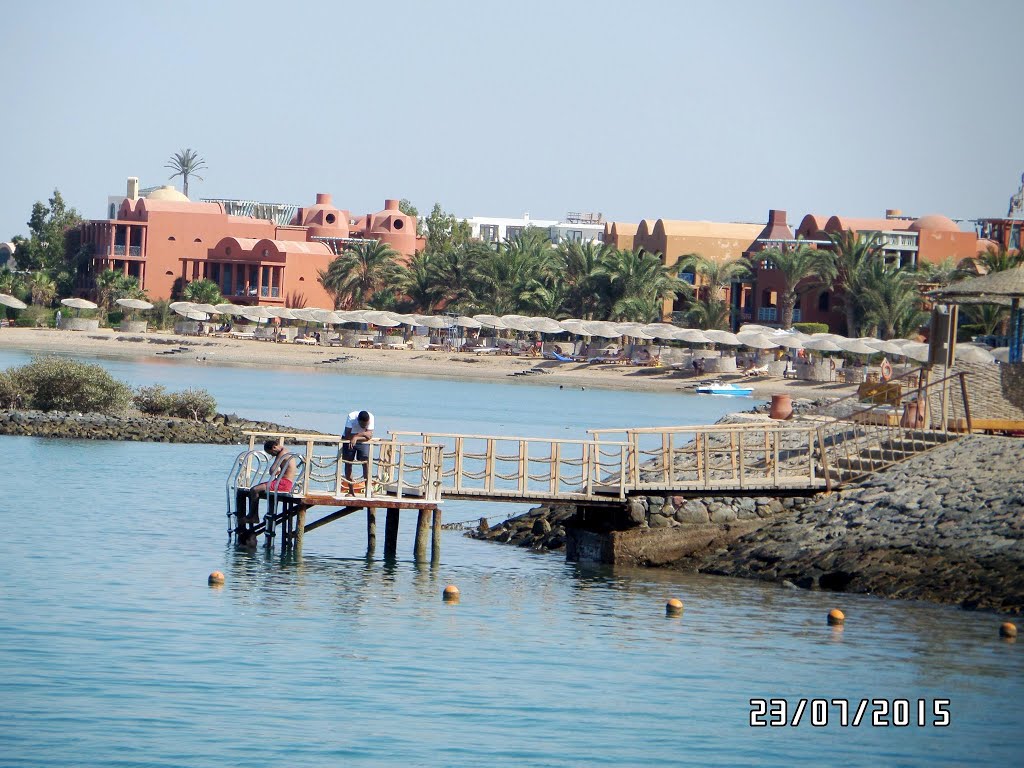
{"x":782,"y":407}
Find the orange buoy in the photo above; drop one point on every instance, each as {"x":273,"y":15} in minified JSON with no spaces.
{"x":835,"y":616}
{"x":674,"y":607}
{"x":216,"y":579}
{"x":451,"y":594}
{"x":1008,"y":629}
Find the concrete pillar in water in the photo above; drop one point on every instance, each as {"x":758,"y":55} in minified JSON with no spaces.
{"x":422,"y":531}
{"x":435,"y":541}
{"x":371,"y":530}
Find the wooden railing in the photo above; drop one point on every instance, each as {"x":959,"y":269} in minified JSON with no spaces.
{"x":395,"y":470}
{"x":527,"y":468}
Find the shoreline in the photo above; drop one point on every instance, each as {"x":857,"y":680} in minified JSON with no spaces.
{"x":369,"y":362}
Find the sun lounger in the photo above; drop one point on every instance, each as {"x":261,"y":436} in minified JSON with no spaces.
{"x":753,"y":373}
{"x":304,"y":340}
{"x":559,"y":357}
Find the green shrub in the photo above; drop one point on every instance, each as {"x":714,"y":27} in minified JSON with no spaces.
{"x":56,"y":384}
{"x":161,"y":316}
{"x":114,"y":318}
{"x":35,"y":316}
{"x":153,"y":400}
{"x":11,"y":393}
{"x":196,"y":404}
{"x":811,"y":327}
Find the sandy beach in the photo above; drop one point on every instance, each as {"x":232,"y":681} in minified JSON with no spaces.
{"x":247,"y":352}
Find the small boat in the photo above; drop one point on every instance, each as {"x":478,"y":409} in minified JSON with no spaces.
{"x":722,"y":388}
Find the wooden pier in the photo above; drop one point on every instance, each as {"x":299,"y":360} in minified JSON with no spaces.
{"x":756,"y":456}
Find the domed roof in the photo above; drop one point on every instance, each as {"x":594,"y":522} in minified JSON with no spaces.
{"x":936,"y":223}
{"x":167,"y":192}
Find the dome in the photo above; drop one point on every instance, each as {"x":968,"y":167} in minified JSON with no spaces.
{"x":936,"y":223}
{"x":167,"y":192}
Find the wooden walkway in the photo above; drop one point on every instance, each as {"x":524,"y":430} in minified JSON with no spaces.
{"x":418,"y":470}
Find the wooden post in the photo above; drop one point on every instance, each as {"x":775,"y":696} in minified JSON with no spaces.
{"x":419,"y":552}
{"x":435,"y":539}
{"x":391,"y":534}
{"x":300,"y":526}
{"x":371,"y":530}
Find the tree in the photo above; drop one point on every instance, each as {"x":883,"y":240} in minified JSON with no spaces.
{"x":416,"y":281}
{"x":443,"y":231}
{"x":999,"y":259}
{"x":186,"y":163}
{"x":709,"y":314}
{"x":202,"y":292}
{"x":892,"y":301}
{"x":42,"y":288}
{"x":845,"y":269}
{"x":504,"y":281}
{"x":112,"y":285}
{"x":359,"y":272}
{"x":45,"y":247}
{"x":942,"y":273}
{"x":717,"y":276}
{"x":637,"y":283}
{"x":584,"y":277}
{"x":800,"y":267}
{"x":453,"y":270}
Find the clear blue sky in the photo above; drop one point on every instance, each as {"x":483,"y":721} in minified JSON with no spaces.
{"x":686,"y":110}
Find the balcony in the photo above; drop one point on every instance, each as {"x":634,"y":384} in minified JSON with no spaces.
{"x":772,"y":315}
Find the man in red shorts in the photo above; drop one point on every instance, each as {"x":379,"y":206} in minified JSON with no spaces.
{"x":282,"y":476}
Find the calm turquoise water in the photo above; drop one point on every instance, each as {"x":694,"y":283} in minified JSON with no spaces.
{"x":115,"y":652}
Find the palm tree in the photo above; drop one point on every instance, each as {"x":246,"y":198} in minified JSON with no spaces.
{"x":584,"y":277}
{"x":984,"y":319}
{"x":798,"y":265}
{"x":709,"y":314}
{"x":637,"y":275}
{"x":42,"y":289}
{"x":202,"y":292}
{"x":185,"y":164}
{"x":846,"y":265}
{"x":941,"y":274}
{"x":716,"y":275}
{"x":452,"y":269}
{"x":999,"y":259}
{"x":505,"y":280}
{"x":892,"y":301}
{"x":359,"y":272}
{"x":416,"y":281}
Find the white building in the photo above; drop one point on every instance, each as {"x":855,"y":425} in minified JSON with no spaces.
{"x":585,"y":227}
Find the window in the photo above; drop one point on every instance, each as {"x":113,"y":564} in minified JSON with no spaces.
{"x":511,"y":233}
{"x":489,"y":233}
{"x":823,"y":301}
{"x":575,"y":235}
{"x":688,"y":277}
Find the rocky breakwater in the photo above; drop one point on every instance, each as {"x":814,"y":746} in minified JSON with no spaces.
{"x":945,"y":526}
{"x":222,"y":429}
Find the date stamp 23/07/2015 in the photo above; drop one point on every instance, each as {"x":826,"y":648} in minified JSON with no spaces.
{"x":877,"y":713}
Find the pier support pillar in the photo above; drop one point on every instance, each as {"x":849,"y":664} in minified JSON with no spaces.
{"x":391,"y":534}
{"x":422,"y":531}
{"x":300,"y":526}
{"x":371,"y":531}
{"x":435,"y":539}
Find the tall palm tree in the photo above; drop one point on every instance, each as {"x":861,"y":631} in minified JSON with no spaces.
{"x":845,"y":267}
{"x":1000,"y":259}
{"x":584,"y":277}
{"x":185,"y":164}
{"x":709,"y":314}
{"x":800,"y":268}
{"x":359,"y":272}
{"x":984,"y":319}
{"x":415,"y":280}
{"x":717,"y":276}
{"x":452,"y":272}
{"x":202,"y":292}
{"x":939,"y":273}
{"x":634,"y":275}
{"x":42,"y":289}
{"x":504,"y":281}
{"x":892,"y":301}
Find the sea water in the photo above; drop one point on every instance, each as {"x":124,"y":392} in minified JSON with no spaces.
{"x":115,"y":652}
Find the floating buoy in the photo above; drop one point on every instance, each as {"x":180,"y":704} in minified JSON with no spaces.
{"x":835,"y":616}
{"x":216,"y":578}
{"x":451,"y":594}
{"x":1008,"y":629}
{"x":674,"y":607}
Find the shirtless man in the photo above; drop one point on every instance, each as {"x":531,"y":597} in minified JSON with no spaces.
{"x":282,"y":477}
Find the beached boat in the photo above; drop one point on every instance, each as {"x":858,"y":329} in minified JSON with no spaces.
{"x":722,"y":388}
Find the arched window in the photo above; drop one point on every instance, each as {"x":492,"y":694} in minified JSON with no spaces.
{"x":823,"y":301}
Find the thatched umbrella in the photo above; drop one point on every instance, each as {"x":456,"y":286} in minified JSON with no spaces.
{"x":10,"y":301}
{"x":994,"y":288}
{"x":78,"y":304}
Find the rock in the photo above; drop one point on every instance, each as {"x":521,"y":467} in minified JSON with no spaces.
{"x":658,"y":521}
{"x":541,"y":527}
{"x":636,"y":511}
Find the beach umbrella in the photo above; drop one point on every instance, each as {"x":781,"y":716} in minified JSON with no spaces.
{"x":352,"y":315}
{"x":224,"y":309}
{"x":633,"y":330}
{"x":916,"y":350}
{"x":78,"y":303}
{"x":661,"y":330}
{"x":283,"y":313}
{"x":723,"y":337}
{"x":191,"y":314}
{"x":972,"y":353}
{"x":546,"y":325}
{"x":889,"y":347}
{"x":381,"y":319}
{"x":411,"y":320}
{"x":10,"y":301}
{"x":819,"y":344}
{"x":861,"y":346}
{"x":175,"y":304}
{"x":490,"y":321}
{"x":517,"y":322}
{"x":692,"y":336}
{"x":754,"y":328}
{"x":133,"y":304}
{"x":789,"y":340}
{"x":600,"y":329}
{"x":573,"y":326}
{"x":208,"y":309}
{"x":435,"y":321}
{"x":756,"y":340}
{"x":466,"y":322}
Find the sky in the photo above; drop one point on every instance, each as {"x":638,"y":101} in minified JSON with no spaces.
{"x":711,"y":109}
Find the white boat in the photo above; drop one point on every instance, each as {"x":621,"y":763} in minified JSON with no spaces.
{"x":722,"y":388}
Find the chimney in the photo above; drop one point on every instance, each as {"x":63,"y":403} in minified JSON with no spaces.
{"x":390,"y":205}
{"x":777,"y":218}
{"x":133,"y":187}
{"x":322,"y":198}
{"x":893,"y":213}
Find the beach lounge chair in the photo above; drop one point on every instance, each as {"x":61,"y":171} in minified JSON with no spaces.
{"x":559,"y":357}
{"x":753,"y":373}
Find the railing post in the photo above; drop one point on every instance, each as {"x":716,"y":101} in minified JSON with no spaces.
{"x":824,"y":460}
{"x":666,"y":456}
{"x":401,"y":470}
{"x":458,"y":464}
{"x":591,"y":452}
{"x":489,"y":466}
{"x":622,"y":471}
{"x":339,"y":469}
{"x":524,"y":465}
{"x":775,"y":455}
{"x":707,"y":462}
{"x":368,"y":483}
{"x":308,"y":467}
{"x":556,"y":467}
{"x":742,"y":463}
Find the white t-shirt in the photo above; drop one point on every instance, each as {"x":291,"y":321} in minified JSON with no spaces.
{"x":352,"y":423}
